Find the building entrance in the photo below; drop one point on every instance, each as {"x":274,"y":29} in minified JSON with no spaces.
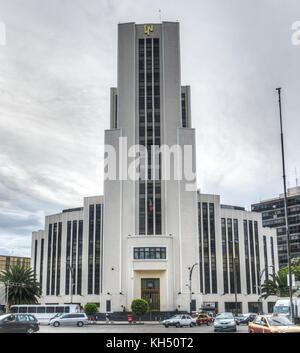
{"x":151,"y":292}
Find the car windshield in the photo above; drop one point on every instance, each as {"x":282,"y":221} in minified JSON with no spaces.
{"x":224,"y":316}
{"x":281,"y":309}
{"x":279,"y":321}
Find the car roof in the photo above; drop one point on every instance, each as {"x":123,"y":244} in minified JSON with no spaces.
{"x":4,"y":316}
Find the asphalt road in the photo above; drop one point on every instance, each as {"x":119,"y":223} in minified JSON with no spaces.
{"x":126,"y":328}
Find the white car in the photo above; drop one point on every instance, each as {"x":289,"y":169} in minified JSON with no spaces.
{"x":179,"y":321}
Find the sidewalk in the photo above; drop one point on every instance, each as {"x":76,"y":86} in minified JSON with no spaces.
{"x":115,"y":323}
{"x":124,"y":323}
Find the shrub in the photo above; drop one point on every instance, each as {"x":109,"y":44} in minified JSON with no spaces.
{"x":139,"y":307}
{"x":90,"y":309}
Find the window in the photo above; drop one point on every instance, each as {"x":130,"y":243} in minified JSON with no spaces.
{"x":41,"y":310}
{"x":149,"y":253}
{"x":23,"y":309}
{"x":59,"y":309}
{"x":31,"y":309}
{"x":108,"y":306}
{"x":50,"y":309}
{"x":224,"y":255}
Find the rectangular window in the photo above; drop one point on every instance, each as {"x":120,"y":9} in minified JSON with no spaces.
{"x":68,"y":257}
{"x":252,"y":257}
{"x":49,"y":259}
{"x":74,"y":255}
{"x":54,"y":259}
{"x":141,"y":253}
{"x":266,"y":257}
{"x":257,"y":250}
{"x":224,"y":256}
{"x":237,"y":255}
{"x":97,"y":249}
{"x":206,"y":247}
{"x":213,"y":248}
{"x":200,"y":247}
{"x":230,"y":254}
{"x":58,"y":258}
{"x":35,"y":256}
{"x":79,"y":271}
{"x":247,"y":264}
{"x":41,"y":261}
{"x":91,"y":249}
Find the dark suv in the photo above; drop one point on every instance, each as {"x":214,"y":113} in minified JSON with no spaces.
{"x":15,"y":323}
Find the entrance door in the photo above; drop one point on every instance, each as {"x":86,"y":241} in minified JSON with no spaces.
{"x":151,"y":292}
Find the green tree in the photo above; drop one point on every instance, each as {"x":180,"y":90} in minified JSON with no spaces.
{"x":90,"y":309}
{"x":139,"y":307}
{"x":23,"y":287}
{"x":277,"y":285}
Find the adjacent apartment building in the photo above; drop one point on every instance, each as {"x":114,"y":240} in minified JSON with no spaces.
{"x":273,"y":215}
{"x":143,"y":236}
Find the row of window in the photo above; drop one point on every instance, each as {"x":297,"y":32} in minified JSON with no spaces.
{"x":149,"y":135}
{"x":142,"y":253}
{"x":207,"y":248}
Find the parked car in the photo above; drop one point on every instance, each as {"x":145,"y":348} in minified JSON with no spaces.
{"x":245,"y":318}
{"x":272,"y":324}
{"x":78,"y":319}
{"x":179,"y":321}
{"x":204,"y":319}
{"x":54,"y":317}
{"x":19,"y":323}
{"x":225,"y":322}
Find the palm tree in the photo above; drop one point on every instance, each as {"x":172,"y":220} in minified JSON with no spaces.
{"x":276,"y":286}
{"x":23,"y":286}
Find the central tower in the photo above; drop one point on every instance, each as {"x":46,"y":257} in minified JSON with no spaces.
{"x":150,"y":222}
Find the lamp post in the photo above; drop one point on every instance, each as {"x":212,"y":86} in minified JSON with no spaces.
{"x":286,"y":209}
{"x":190,"y":284}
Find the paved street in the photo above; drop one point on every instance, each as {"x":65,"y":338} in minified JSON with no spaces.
{"x":124,"y":328}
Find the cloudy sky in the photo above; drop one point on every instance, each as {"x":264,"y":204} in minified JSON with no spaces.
{"x":59,"y":62}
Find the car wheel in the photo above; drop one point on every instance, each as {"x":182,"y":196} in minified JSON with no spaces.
{"x":177,"y":325}
{"x":80,"y":324}
{"x":166,"y":326}
{"x":208,"y":323}
{"x":30,"y":330}
{"x":191,"y":324}
{"x":56,"y":324}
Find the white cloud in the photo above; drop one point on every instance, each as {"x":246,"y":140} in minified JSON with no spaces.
{"x":60,"y":61}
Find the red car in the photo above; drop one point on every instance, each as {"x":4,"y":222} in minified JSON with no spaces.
{"x":203,"y":319}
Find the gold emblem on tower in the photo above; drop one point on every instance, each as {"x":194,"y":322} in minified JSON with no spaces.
{"x":148,"y":29}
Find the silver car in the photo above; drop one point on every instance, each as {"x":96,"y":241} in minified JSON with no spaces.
{"x":179,"y":321}
{"x":78,"y":319}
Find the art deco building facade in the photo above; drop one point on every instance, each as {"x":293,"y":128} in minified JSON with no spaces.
{"x":142,"y":237}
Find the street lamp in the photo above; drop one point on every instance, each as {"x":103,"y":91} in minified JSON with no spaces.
{"x":190,"y":284}
{"x":286,"y":209}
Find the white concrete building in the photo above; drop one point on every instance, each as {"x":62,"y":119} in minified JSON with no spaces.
{"x":142,"y":237}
